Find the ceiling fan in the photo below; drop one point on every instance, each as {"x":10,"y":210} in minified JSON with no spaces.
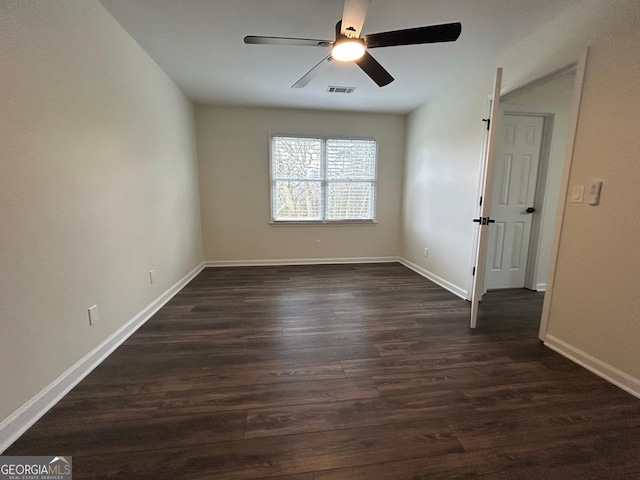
{"x":350,"y":46}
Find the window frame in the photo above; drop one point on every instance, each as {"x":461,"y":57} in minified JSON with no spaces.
{"x":323,"y":182}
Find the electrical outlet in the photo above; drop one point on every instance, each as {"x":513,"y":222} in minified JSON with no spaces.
{"x":93,"y":315}
{"x":152,"y":274}
{"x":318,"y":243}
{"x":426,"y":252}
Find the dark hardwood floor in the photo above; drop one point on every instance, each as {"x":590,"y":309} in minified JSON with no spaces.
{"x":335,"y":373}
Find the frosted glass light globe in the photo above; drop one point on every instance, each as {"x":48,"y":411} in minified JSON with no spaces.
{"x":348,"y":50}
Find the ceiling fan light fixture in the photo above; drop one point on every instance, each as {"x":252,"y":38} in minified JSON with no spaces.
{"x":348,"y":49}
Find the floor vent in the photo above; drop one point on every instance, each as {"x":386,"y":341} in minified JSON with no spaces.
{"x":340,"y":89}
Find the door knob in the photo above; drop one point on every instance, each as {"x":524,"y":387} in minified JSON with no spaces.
{"x":530,"y":210}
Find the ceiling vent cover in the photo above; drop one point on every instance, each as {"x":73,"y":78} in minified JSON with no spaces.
{"x":333,"y":89}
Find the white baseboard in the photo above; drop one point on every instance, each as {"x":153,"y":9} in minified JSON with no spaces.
{"x":541,"y":287}
{"x":302,"y":261}
{"x":611,"y":374}
{"x":23,"y":418}
{"x":456,"y":290}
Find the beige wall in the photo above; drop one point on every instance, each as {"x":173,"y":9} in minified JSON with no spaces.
{"x":596,"y":305}
{"x":233,"y":151}
{"x":98,"y":186}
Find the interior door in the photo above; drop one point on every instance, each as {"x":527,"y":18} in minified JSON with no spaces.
{"x":484,"y":220}
{"x":515,"y":170}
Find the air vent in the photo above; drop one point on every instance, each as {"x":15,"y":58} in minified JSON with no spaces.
{"x":340,"y":89}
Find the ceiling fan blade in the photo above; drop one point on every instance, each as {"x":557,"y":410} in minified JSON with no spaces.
{"x":302,"y":42}
{"x":311,"y":74}
{"x":448,"y":32}
{"x":353,"y":15}
{"x":376,"y":71}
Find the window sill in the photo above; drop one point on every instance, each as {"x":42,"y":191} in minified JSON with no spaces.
{"x":298,"y":223}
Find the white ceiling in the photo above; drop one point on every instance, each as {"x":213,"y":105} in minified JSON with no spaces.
{"x":199,"y":44}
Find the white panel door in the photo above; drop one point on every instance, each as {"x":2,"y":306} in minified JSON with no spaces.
{"x":515,"y":170}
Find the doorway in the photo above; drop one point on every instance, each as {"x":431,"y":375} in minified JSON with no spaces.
{"x":553,"y":100}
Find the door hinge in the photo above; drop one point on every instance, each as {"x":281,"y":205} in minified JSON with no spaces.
{"x":473,"y":274}
{"x":488,"y":120}
{"x":484,"y":220}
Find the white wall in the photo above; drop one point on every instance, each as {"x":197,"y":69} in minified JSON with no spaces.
{"x":444,"y":140}
{"x":549,"y":97}
{"x":595,"y":303}
{"x":98,"y":186}
{"x":233,"y":151}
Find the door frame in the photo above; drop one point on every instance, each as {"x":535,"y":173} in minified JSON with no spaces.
{"x":580,"y":70}
{"x":578,"y":87}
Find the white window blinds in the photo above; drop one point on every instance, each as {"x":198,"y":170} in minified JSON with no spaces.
{"x":318,"y":179}
{"x":350,"y":176}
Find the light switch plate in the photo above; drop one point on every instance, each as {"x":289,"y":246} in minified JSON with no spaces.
{"x":577,"y":196}
{"x":93,"y":315}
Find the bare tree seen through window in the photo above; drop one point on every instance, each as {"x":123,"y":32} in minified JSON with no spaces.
{"x":323,"y":179}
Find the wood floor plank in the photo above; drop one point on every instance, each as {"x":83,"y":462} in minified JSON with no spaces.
{"x":349,"y":414}
{"x":291,"y":454}
{"x":553,"y":460}
{"x":82,"y":408}
{"x":364,"y":327}
{"x":615,"y":451}
{"x":333,"y":372}
{"x":370,"y":367}
{"x":258,"y":396}
{"x":416,"y":381}
{"x":134,"y":362}
{"x":573,"y":419}
{"x":107,"y":384}
{"x":122,"y":435}
{"x":224,"y":337}
{"x":333,"y":335}
{"x":460,"y":378}
{"x":535,"y":394}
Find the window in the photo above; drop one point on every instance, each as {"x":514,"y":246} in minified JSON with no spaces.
{"x":322,"y":179}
